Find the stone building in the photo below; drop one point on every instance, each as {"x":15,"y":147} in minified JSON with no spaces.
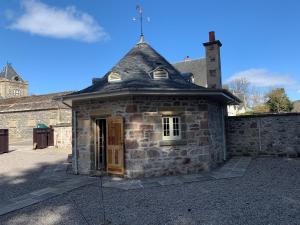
{"x":11,"y":83}
{"x":21,"y":115}
{"x":146,"y":118}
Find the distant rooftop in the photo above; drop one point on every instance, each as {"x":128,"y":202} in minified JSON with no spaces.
{"x":10,"y":73}
{"x":33,"y":102}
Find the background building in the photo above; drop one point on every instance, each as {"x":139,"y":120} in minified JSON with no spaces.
{"x":11,"y":83}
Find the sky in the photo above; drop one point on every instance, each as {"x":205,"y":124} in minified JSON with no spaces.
{"x":59,"y":45}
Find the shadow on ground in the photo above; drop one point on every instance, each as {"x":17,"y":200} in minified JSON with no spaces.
{"x":269,"y":193}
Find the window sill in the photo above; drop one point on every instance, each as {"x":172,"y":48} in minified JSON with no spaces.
{"x":172,"y":142}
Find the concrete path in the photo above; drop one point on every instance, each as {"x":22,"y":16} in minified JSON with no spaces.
{"x":43,"y":194}
{"x":236,"y":167}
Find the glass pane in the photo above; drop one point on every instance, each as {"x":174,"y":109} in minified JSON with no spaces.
{"x":166,"y":126}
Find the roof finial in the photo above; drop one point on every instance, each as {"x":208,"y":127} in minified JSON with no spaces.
{"x":141,"y":18}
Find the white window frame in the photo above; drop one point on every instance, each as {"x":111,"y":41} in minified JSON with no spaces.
{"x":170,"y":135}
{"x":160,"y":74}
{"x":16,"y":92}
{"x":114,"y":77}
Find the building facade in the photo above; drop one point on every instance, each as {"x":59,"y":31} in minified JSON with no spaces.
{"x":146,"y":118}
{"x":21,"y":115}
{"x":11,"y":83}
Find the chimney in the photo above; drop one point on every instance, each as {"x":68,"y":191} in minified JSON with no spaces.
{"x":212,"y":36}
{"x":213,"y":61}
{"x":187,"y":58}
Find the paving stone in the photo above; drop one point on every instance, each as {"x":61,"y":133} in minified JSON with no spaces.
{"x":150,"y":184}
{"x":43,"y":191}
{"x":170,"y":181}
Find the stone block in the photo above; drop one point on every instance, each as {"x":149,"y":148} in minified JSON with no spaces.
{"x":146,"y":127}
{"x":202,"y":107}
{"x":204,"y":141}
{"x":204,"y":124}
{"x":131,"y":108}
{"x":131,"y":144}
{"x":137,"y":154}
{"x":153,"y":153}
{"x":155,"y":136}
{"x":153,"y":119}
{"x":194,"y":126}
{"x":137,"y":118}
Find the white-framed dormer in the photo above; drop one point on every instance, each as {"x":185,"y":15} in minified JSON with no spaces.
{"x":114,"y":77}
{"x":159,"y":73}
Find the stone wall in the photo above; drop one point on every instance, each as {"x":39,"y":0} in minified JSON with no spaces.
{"x":21,"y":123}
{"x":146,"y":154}
{"x":63,"y":136}
{"x":264,"y":134}
{"x":8,"y":88}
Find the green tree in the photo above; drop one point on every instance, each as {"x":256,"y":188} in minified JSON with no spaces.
{"x":278,"y":101}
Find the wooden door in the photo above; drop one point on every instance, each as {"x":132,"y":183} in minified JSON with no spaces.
{"x":115,"y":145}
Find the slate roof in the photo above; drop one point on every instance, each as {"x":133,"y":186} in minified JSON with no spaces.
{"x":9,"y":73}
{"x":196,"y":67}
{"x":30,"y":103}
{"x":134,"y":69}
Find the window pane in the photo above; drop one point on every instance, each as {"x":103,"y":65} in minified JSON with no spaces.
{"x":175,"y":126}
{"x":166,"y":126}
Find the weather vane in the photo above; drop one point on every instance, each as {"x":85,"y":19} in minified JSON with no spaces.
{"x":139,"y":9}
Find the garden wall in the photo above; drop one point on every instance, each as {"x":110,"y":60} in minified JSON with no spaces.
{"x":271,"y":134}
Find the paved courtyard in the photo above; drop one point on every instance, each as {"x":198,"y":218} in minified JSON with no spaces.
{"x":23,"y":170}
{"x":265,"y":192}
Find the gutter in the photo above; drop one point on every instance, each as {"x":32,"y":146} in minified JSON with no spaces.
{"x":75,"y":142}
{"x":136,"y":92}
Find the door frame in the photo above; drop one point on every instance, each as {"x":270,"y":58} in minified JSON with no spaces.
{"x":104,"y":168}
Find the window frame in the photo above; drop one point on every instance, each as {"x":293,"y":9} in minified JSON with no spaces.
{"x":113,"y":80}
{"x":16,"y":92}
{"x":171,"y":128}
{"x":166,"y":74}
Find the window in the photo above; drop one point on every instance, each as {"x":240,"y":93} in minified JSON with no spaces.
{"x":16,"y":92}
{"x":160,"y":74}
{"x":213,"y":73}
{"x":192,"y":79}
{"x":171,"y":128}
{"x":114,"y":77}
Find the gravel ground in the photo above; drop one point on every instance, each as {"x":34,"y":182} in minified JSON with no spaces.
{"x":23,"y":170}
{"x":269,"y":193}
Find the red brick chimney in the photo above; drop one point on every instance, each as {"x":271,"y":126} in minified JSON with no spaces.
{"x":212,"y":36}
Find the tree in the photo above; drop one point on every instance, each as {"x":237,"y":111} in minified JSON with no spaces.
{"x":240,"y":88}
{"x":278,"y":101}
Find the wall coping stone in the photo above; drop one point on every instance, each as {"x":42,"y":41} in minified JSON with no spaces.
{"x":264,"y":115}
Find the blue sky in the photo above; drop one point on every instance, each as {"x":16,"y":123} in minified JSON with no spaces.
{"x":61,"y":45}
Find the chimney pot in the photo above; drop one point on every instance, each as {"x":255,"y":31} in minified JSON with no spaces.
{"x":187,"y":58}
{"x":212,"y":36}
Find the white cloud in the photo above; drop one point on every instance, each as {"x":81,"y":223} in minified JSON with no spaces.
{"x":264,"y":78}
{"x":69,"y":23}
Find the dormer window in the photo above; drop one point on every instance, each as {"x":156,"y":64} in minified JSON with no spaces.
{"x":16,"y":78}
{"x":160,"y":73}
{"x":114,"y":77}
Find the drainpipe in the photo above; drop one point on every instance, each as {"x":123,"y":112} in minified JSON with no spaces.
{"x":75,"y":141}
{"x":223,"y":134}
